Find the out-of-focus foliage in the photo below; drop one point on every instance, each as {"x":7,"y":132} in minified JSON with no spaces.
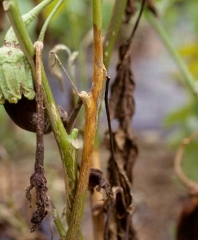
{"x":180,"y":18}
{"x":71,"y":23}
{"x":74,"y":20}
{"x":190,"y":54}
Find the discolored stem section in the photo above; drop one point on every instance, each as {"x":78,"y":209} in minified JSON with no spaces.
{"x":91,"y":102}
{"x":39,"y":164}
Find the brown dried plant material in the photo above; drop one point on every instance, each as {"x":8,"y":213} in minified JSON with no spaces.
{"x":151,"y":6}
{"x":96,"y":179}
{"x":38,"y":180}
{"x":2,"y":16}
{"x":121,"y":103}
{"x":131,"y":9}
{"x":187,"y":227}
{"x":124,"y":151}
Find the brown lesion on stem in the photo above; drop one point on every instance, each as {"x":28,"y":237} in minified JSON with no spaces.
{"x":91,"y":102}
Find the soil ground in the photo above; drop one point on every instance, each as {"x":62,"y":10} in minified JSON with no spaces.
{"x":157,"y":193}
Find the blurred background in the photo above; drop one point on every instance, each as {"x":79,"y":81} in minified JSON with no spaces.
{"x":165,"y":113}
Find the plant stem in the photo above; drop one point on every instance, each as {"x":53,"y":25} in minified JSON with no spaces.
{"x":188,"y":78}
{"x":57,"y":222}
{"x":91,"y":102}
{"x":113,"y":29}
{"x":12,"y":9}
{"x":62,"y":138}
{"x":44,"y":28}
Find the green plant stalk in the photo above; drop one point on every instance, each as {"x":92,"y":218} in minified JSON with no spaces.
{"x":58,"y":223}
{"x":64,"y":145}
{"x":44,"y":28}
{"x":112,"y":30}
{"x":62,"y":138}
{"x":188,"y":78}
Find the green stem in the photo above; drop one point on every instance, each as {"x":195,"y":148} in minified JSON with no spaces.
{"x":188,"y":78}
{"x":113,"y":29}
{"x":62,"y":138}
{"x":44,"y":28}
{"x":58,"y":223}
{"x":12,"y":9}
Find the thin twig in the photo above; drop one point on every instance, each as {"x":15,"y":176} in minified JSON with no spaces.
{"x":73,"y":116}
{"x":71,"y":82}
{"x":191,"y":185}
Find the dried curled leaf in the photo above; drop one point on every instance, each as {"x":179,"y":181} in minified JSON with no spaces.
{"x":188,"y":221}
{"x":131,"y":8}
{"x":121,"y":162}
{"x":151,"y":7}
{"x":121,"y":103}
{"x":96,"y":178}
